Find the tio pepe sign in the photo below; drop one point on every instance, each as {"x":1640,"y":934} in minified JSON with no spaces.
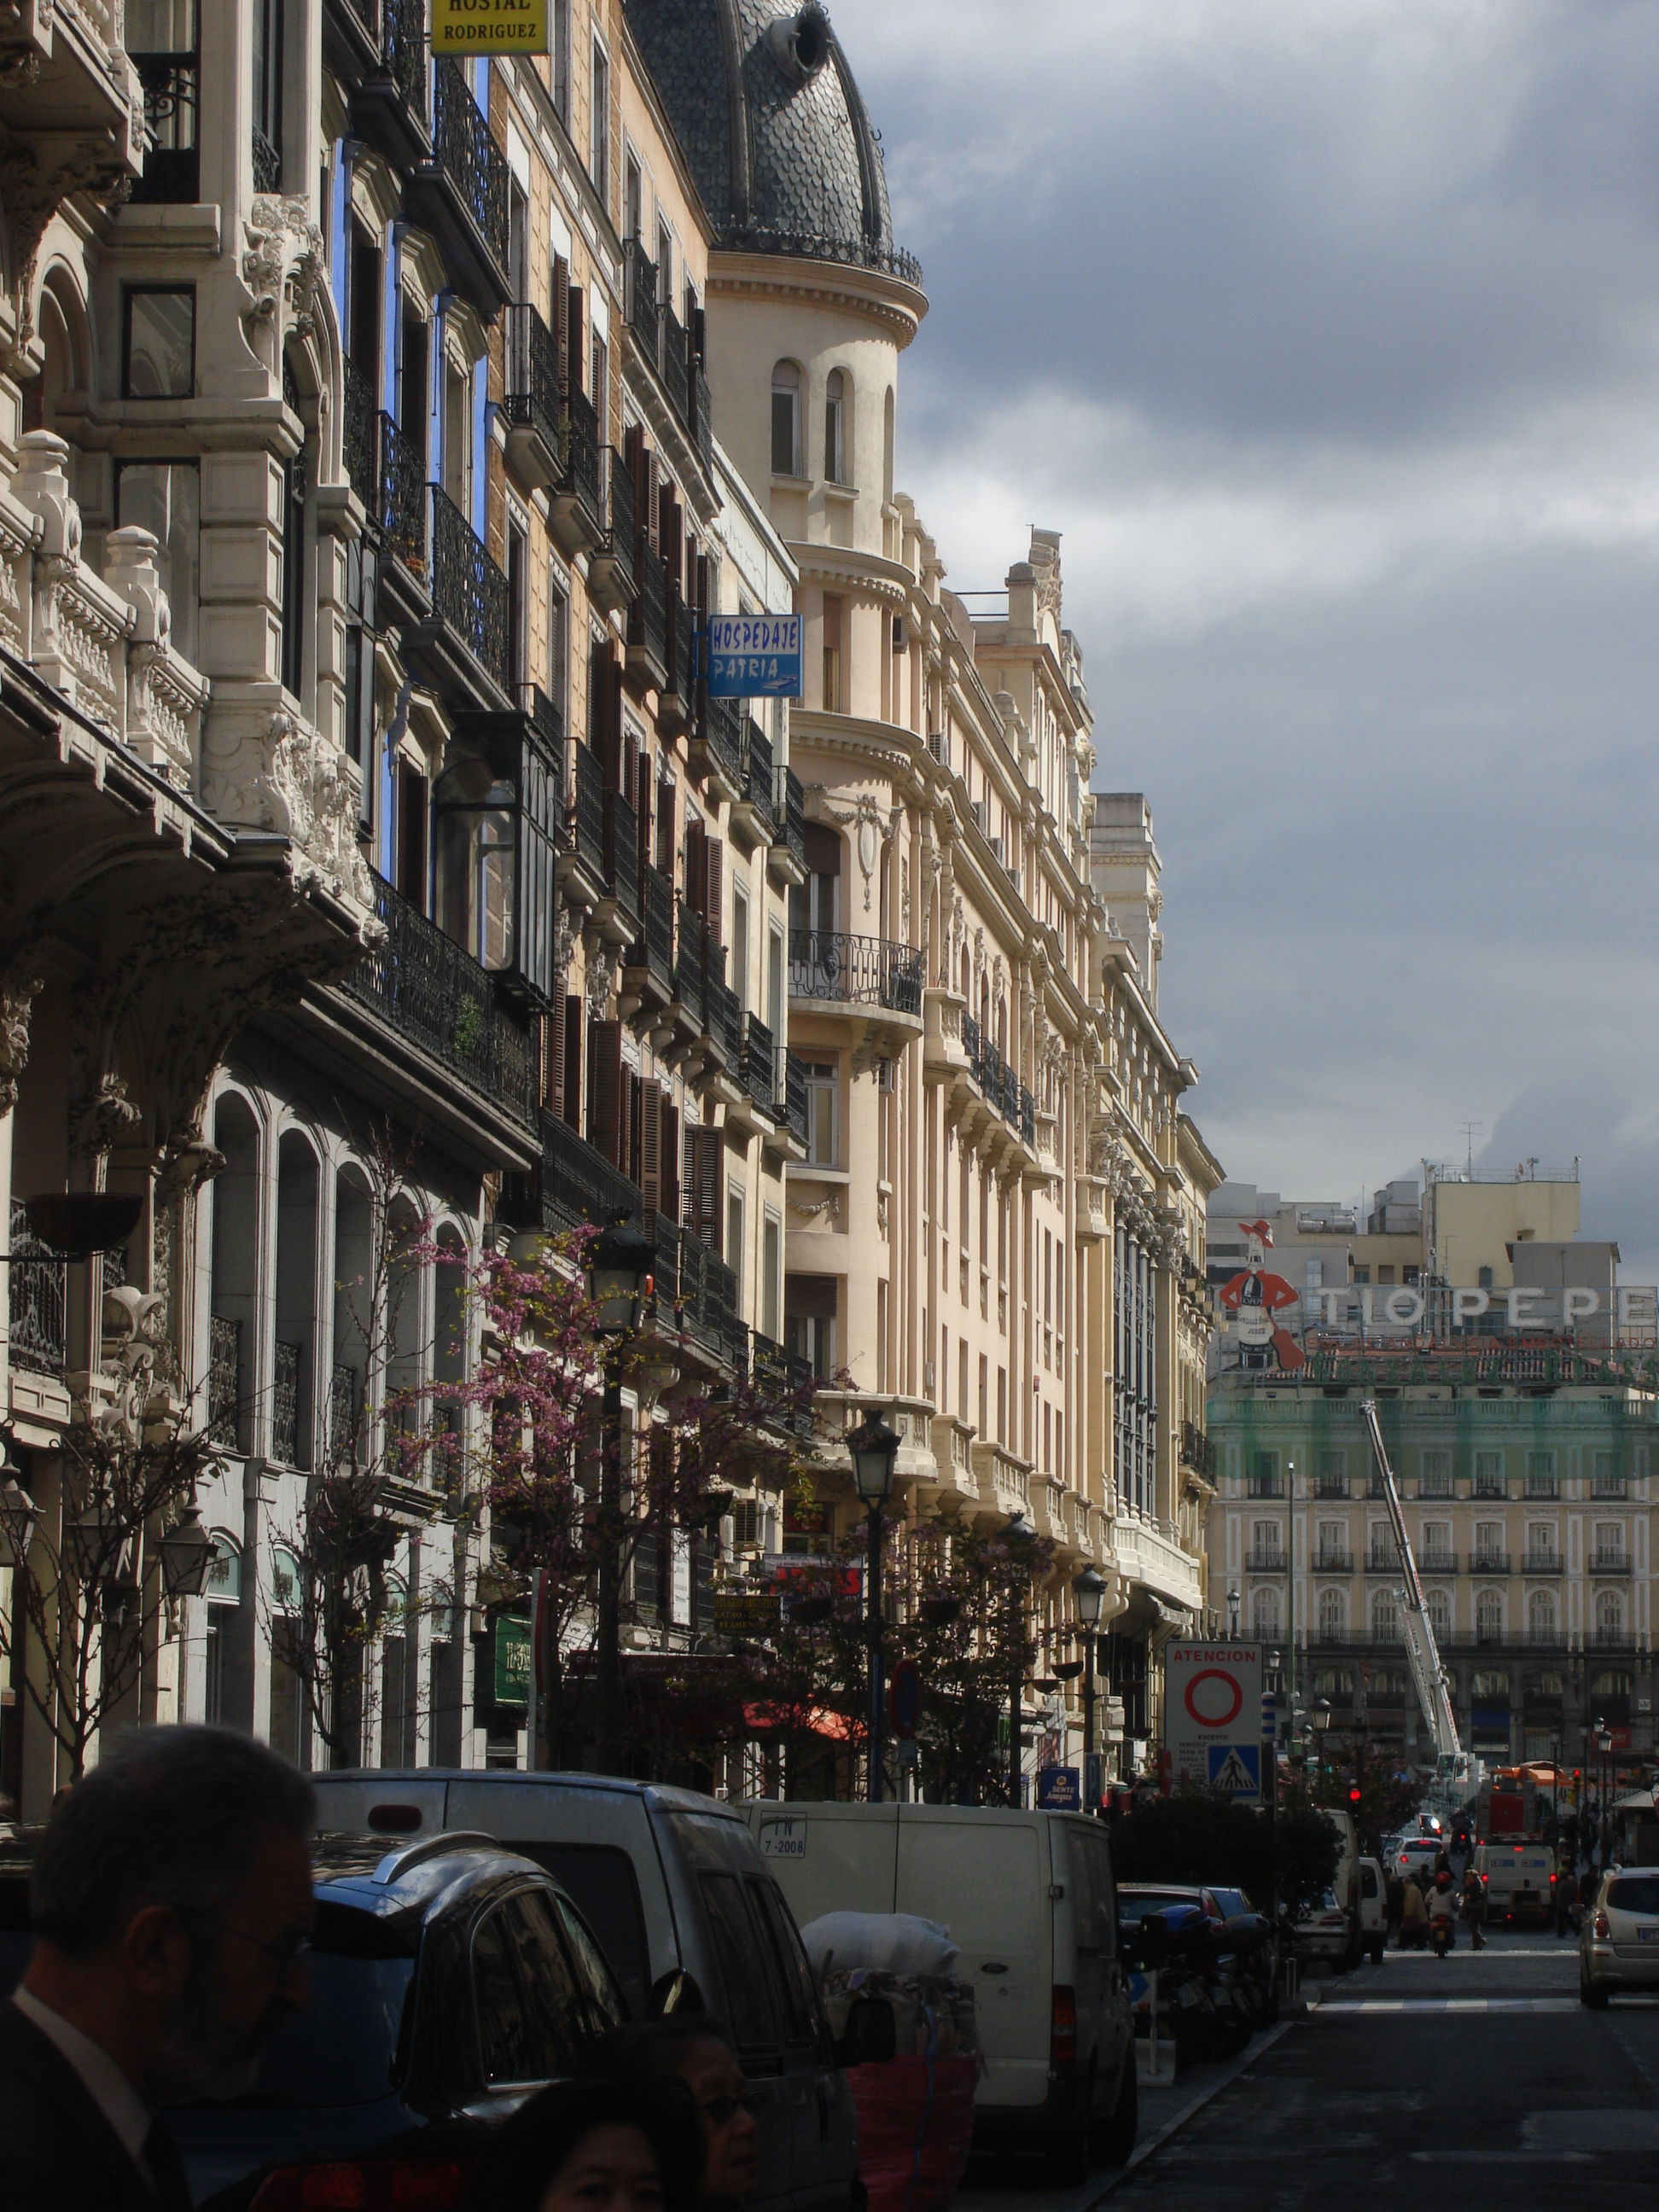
{"x":1212,"y":1716}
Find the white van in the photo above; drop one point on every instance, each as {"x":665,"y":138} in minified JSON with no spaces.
{"x":1031,"y":1903}
{"x":1518,"y":1880}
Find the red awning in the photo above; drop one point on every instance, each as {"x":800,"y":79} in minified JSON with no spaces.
{"x":816,"y":1720}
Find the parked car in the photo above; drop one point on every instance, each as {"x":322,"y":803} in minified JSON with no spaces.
{"x":1028,"y":1899}
{"x":683,"y":1905}
{"x":449,"y":1980}
{"x":1325,"y":1935}
{"x":1371,"y":1910}
{"x":1619,"y":1940}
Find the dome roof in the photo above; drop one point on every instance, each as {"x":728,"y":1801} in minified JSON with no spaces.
{"x":779,"y":141}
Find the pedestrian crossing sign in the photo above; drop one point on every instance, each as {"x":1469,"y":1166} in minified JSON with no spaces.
{"x":1236,"y":1769}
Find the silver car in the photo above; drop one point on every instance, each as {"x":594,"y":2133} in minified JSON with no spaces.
{"x":1619,"y":1941}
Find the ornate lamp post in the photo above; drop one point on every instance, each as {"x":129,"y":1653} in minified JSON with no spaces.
{"x":186,"y":1552}
{"x":874,"y":1446}
{"x":1089,"y":1595}
{"x":618,"y":1280}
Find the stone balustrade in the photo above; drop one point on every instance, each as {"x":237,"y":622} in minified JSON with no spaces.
{"x":103,"y":641}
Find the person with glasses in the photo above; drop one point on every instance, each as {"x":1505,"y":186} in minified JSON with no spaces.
{"x":592,"y":2146}
{"x":688,"y":2052}
{"x":171,"y":1905}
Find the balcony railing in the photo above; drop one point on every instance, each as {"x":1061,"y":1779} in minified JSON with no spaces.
{"x":438,"y":996}
{"x":1264,"y":1486}
{"x":1437,"y":1563}
{"x":1261,"y":1562}
{"x":38,"y":1301}
{"x":358,"y":428}
{"x":1197,"y":1451}
{"x":789,"y":810}
{"x":403,"y":44}
{"x":171,"y":91}
{"x":582,"y":482}
{"x":346,"y":1412}
{"x":1609,"y":1485}
{"x":1610,"y":1563}
{"x":469,"y":592}
{"x":469,"y":156}
{"x":285,"y":1404}
{"x":667,"y":344}
{"x":696,"y":1291}
{"x":692,"y":933}
{"x":1332,"y":1562}
{"x":783,"y":1377}
{"x":760,"y":1059}
{"x":860,"y":971}
{"x":644,"y":313}
{"x":225,"y":1380}
{"x":403,"y":500}
{"x":587,"y":808}
{"x":1330,"y":1485}
{"x":653,"y":950}
{"x":1490,"y":1562}
{"x":791,"y":1081}
{"x":1543,"y":1563}
{"x":720,"y":728}
{"x":622,"y":854}
{"x":759,"y":775}
{"x":579,"y":1184}
{"x":723,"y":1014}
{"x":675,"y":361}
{"x":619,"y":522}
{"x":1385,"y":1562}
{"x":647,"y":616}
{"x":532,"y":400}
{"x":682,"y":655}
{"x":267,"y":161}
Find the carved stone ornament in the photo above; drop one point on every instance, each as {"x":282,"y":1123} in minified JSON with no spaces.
{"x":824,"y":1213}
{"x":103,"y":1118}
{"x":17,"y":997}
{"x":308,"y":792}
{"x":138,"y":1358}
{"x":604,"y":964}
{"x":32,"y":192}
{"x":281,"y":264}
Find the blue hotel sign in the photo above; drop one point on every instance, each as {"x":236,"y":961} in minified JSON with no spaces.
{"x":754,"y":657}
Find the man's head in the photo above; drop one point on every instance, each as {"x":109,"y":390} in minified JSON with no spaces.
{"x":171,"y":1902}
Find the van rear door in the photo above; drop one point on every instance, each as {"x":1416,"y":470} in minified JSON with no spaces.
{"x":987,"y":1881}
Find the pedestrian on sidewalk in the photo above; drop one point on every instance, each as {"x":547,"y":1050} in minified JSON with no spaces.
{"x":1394,"y":1906}
{"x":1472,"y":1908}
{"x":1564,"y":1897}
{"x":170,"y":1903}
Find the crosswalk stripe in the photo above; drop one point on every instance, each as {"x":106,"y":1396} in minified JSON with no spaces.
{"x":1347,"y":2008}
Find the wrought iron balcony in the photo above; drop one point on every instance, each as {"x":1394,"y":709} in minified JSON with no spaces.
{"x":579,"y":1184}
{"x":1489,"y":1563}
{"x":760,"y":1061}
{"x":267,"y":163}
{"x":644,"y":313}
{"x":647,"y":620}
{"x":1265,"y":1561}
{"x":285,"y":1437}
{"x":225,"y":1392}
{"x":719,"y":746}
{"x":578,"y":507}
{"x":677,"y":702}
{"x":461,"y":195}
{"x":531,"y":407}
{"x":689,"y":965}
{"x":1437,"y":1563}
{"x":1543,"y":1563}
{"x":759,"y":777}
{"x":39,"y":1300}
{"x":653,"y":949}
{"x":346,"y":1412}
{"x":790,"y":1088}
{"x":788,"y":856}
{"x":611,"y":567}
{"x":359,"y":425}
{"x":438,"y":997}
{"x":1609,"y":1485}
{"x":1330,"y":1485}
{"x":403,"y":502}
{"x":587,"y":810}
{"x":621,"y":855}
{"x":697,"y":1292}
{"x":675,"y":362}
{"x":724,"y":1013}
{"x":784,"y":1378}
{"x":1610,"y":1563}
{"x":1197,"y":1451}
{"x":469,"y":592}
{"x":1333,"y":1560}
{"x":171,"y":87}
{"x":860,"y":971}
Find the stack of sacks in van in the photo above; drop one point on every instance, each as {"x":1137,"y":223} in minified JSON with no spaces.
{"x":905,"y":2032}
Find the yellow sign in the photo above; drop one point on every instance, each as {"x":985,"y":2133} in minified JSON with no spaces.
{"x":490,"y":26}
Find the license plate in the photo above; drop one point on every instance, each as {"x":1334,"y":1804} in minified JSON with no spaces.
{"x":1647,"y":1934}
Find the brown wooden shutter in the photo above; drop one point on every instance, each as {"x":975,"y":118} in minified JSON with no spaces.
{"x":696,"y":867}
{"x":669,"y":1159}
{"x":649,"y":1176}
{"x":605,"y":1090}
{"x":669,"y":532}
{"x":604,"y":711}
{"x":576,"y":373}
{"x":703,"y":586}
{"x":708,"y":1186}
{"x":632,"y":1089}
{"x":561,"y":321}
{"x":666,"y":828}
{"x":713,"y":888}
{"x":570,"y":1084}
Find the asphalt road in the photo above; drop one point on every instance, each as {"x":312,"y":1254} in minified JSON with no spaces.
{"x":1479,"y":2077}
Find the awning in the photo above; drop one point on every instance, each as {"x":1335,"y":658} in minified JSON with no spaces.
{"x":815,"y":1720}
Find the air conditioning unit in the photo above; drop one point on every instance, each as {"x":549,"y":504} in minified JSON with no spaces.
{"x":997,"y":852}
{"x":938,"y":745}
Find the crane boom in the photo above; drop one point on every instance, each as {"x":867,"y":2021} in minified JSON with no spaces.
{"x":1452,"y":1763}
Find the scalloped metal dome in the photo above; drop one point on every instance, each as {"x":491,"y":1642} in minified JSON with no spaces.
{"x":773,"y":127}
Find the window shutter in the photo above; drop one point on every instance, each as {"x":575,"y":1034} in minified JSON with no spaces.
{"x":669,"y":1158}
{"x":704,"y":586}
{"x":572,"y":337}
{"x":650,"y":1170}
{"x":629,"y":1152}
{"x":570,"y":1084}
{"x":604,"y":1098}
{"x":696,"y":867}
{"x":561,"y":321}
{"x":713,"y":889}
{"x":666,"y":828}
{"x":708,"y":1193}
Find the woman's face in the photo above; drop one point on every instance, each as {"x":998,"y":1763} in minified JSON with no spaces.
{"x":613,"y":2169}
{"x":731,"y":2137}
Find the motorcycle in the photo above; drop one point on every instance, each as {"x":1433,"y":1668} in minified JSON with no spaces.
{"x":1442,"y":1934}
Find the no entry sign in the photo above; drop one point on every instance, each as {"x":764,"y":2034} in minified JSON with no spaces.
{"x":1211,"y":1706}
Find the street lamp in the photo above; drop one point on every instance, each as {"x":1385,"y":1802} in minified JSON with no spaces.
{"x":1604,"y":1781}
{"x":1018,"y":1530}
{"x":186,"y":1552}
{"x":874,"y":1447}
{"x":619,"y":1280}
{"x":1089,"y":1595}
{"x":1233,"y":1602}
{"x":18,"y":1515}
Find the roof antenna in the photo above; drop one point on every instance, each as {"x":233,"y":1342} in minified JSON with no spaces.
{"x":1469,"y":1129}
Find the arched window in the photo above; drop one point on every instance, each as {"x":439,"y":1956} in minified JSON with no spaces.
{"x":290,"y":1730}
{"x":1540,"y":1616}
{"x":1264,"y":1611}
{"x":835,"y":426}
{"x":785,"y":420}
{"x":398,"y":1671}
{"x":1333,"y":1612}
{"x":233,"y":1196}
{"x":1489,"y":1617}
{"x":1385,"y":1617}
{"x":292,"y":1380}
{"x":1609,"y":1616}
{"x":224,"y":1594}
{"x":354,"y":1319}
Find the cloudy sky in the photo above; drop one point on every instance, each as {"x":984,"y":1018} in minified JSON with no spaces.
{"x":1327,"y":333}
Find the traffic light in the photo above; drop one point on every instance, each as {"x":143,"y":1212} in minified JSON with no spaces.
{"x":1354,"y":1794}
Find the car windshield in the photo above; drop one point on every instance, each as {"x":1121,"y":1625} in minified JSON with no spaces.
{"x":1634,"y":1893}
{"x":1156,"y":1900}
{"x":1232,"y":1901}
